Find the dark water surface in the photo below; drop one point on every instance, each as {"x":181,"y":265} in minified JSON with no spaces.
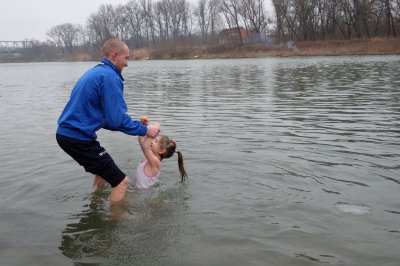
{"x":291,"y":162}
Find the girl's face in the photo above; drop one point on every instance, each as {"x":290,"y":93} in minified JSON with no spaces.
{"x":155,"y":145}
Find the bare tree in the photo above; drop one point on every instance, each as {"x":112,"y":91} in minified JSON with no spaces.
{"x":254,"y":15}
{"x":187,"y":21}
{"x":361,"y":12}
{"x":64,"y":36}
{"x":176,"y":11}
{"x":172,"y":19}
{"x":396,"y":11}
{"x":101,"y":25}
{"x":56,"y":37}
{"x":201,"y":13}
{"x":142,"y":23}
{"x":396,"y":14}
{"x":82,"y":38}
{"x":327,"y":13}
{"x":135,"y":19}
{"x":280,"y":11}
{"x":120,"y":22}
{"x":149,"y":25}
{"x":162,"y":19}
{"x":214,"y":14}
{"x":231,"y":12}
{"x":292,"y":21}
{"x":388,"y":6}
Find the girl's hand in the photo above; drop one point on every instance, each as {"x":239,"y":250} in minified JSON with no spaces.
{"x":152,"y":131}
{"x":156,"y":125}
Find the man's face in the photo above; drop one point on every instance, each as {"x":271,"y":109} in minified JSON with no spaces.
{"x":122,"y":58}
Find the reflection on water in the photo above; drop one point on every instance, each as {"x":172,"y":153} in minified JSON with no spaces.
{"x":91,"y":232}
{"x":137,"y":230}
{"x":291,"y":161}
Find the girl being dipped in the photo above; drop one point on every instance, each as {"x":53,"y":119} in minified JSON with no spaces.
{"x":155,"y":150}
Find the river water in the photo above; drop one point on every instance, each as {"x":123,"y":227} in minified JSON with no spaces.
{"x":291,"y":161}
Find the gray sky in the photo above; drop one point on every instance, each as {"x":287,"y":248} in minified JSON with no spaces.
{"x":31,"y":19}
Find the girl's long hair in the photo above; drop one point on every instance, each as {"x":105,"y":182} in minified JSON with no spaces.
{"x":170,"y":147}
{"x":181,"y":168}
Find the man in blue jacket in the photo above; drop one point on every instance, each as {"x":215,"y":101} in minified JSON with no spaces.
{"x":97,"y":102}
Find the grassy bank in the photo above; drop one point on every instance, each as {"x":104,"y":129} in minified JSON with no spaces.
{"x":381,"y":46}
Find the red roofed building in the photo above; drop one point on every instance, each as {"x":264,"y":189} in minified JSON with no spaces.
{"x":235,"y":35}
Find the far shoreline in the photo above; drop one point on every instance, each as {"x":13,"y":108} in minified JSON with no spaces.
{"x":377,"y":46}
{"x":355,"y":47}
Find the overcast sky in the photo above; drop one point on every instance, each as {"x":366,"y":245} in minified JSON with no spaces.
{"x":31,"y":19}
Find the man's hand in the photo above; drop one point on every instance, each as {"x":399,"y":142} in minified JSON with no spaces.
{"x":144,"y":120}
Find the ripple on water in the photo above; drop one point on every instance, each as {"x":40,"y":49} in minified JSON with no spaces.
{"x":278,"y":151}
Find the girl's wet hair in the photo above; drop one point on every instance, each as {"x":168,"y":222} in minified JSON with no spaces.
{"x":170,"y":147}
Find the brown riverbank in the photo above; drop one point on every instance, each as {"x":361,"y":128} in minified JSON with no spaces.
{"x":376,"y":46}
{"x":381,"y":46}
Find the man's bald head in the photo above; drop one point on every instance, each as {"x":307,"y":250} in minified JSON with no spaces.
{"x":113,"y":45}
{"x":117,"y":52}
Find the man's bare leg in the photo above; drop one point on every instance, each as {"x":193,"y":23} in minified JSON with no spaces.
{"x":118,"y":192}
{"x":98,"y":182}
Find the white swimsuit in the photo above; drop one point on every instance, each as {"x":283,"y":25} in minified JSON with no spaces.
{"x":142,"y":180}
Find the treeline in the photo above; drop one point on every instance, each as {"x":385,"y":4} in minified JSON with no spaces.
{"x":152,"y":23}
{"x":148,"y":23}
{"x":310,"y":20}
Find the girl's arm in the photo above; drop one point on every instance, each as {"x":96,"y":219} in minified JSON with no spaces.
{"x":154,"y":164}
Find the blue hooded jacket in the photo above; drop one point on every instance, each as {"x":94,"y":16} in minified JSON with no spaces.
{"x":97,"y":102}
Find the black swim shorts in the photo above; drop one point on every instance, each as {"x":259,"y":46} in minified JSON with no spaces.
{"x":93,"y":158}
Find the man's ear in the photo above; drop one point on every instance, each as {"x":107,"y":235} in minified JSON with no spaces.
{"x":114,"y":56}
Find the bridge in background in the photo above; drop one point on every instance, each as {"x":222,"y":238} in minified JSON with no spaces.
{"x":13,"y":46}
